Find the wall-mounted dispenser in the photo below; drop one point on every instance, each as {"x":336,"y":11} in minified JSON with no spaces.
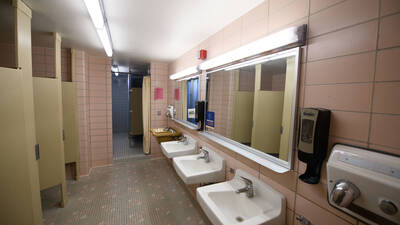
{"x":171,"y":111}
{"x":313,"y":141}
{"x":200,"y":114}
{"x":365,"y":184}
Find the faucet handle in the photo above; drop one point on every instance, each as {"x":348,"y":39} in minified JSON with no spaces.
{"x":204,"y":151}
{"x":247,"y":181}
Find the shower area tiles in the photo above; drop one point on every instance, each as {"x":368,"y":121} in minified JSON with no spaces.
{"x":126,"y":146}
{"x":125,"y":143}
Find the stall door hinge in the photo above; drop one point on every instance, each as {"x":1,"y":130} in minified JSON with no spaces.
{"x":37,"y":152}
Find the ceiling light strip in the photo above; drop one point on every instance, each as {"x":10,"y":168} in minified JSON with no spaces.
{"x":96,"y":13}
{"x":263,"y":59}
{"x":277,"y":40}
{"x":185,"y":72}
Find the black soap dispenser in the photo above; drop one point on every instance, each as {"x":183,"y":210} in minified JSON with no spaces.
{"x":313,"y":141}
{"x":200,"y":114}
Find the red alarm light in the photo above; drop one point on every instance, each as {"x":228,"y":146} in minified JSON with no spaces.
{"x":202,"y":54}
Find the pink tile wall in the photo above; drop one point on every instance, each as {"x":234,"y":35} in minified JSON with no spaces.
{"x":93,"y":79}
{"x":349,"y":66}
{"x":43,"y":62}
{"x":100,"y":107}
{"x":222,"y":87}
{"x":81,"y":80}
{"x":159,"y":79}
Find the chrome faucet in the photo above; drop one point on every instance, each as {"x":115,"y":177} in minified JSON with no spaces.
{"x":249,"y":189}
{"x":206,"y":155}
{"x":184,"y":140}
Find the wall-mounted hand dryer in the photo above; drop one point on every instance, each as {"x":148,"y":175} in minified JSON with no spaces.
{"x":365,"y":184}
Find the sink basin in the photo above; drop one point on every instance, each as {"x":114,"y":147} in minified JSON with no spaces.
{"x":173,"y":149}
{"x":223,"y":205}
{"x":195,"y":171}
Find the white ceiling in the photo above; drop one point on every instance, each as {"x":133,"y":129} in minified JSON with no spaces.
{"x":141,"y":30}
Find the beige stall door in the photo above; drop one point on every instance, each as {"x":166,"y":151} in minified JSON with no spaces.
{"x":136,"y":111}
{"x":267,"y":118}
{"x":146,"y":114}
{"x":70,"y":121}
{"x":48,"y":117}
{"x":288,"y":110}
{"x":19,"y":189}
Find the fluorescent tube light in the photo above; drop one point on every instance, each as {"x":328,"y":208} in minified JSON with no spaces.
{"x":262,"y":59}
{"x":273,"y":41}
{"x":189,"y":78}
{"x":95,"y":13}
{"x":185,"y":72}
{"x":97,"y":16}
{"x":105,"y":40}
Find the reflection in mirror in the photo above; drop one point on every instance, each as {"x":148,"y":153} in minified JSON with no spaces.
{"x":186,"y":93}
{"x":7,"y":35}
{"x":253,"y":105}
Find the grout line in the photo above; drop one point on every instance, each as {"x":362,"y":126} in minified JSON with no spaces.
{"x":388,"y":15}
{"x":373,"y":86}
{"x":333,"y":5}
{"x":340,"y":83}
{"x":345,"y":27}
{"x":386,"y":146}
{"x":340,"y":56}
{"x":352,"y":54}
{"x":298,"y":122}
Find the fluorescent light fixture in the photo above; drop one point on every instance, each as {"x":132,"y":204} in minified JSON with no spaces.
{"x":262,"y":59}
{"x":97,"y":16}
{"x":95,"y":13}
{"x":189,"y":78}
{"x":185,"y":72}
{"x":273,"y":41}
{"x":105,"y":40}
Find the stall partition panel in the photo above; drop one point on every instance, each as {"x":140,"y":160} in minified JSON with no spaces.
{"x":70,"y":121}
{"x":48,"y":118}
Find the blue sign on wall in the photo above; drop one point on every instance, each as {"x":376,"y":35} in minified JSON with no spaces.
{"x":210,"y":119}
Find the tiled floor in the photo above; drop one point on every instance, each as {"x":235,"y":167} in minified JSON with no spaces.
{"x":131,"y":191}
{"x":127,"y":147}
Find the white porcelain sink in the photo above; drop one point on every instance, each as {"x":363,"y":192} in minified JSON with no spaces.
{"x":223,"y":205}
{"x":195,"y":171}
{"x":173,"y":149}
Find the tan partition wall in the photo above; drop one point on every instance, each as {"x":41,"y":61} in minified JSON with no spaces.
{"x":70,"y":120}
{"x":17,"y":193}
{"x":135,"y":111}
{"x":47,"y":95}
{"x":146,"y":115}
{"x":19,"y":189}
{"x":267,"y":118}
{"x":49,"y":132}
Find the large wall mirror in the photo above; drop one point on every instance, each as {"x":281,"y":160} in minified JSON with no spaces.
{"x":252,"y":104}
{"x":186,"y":93}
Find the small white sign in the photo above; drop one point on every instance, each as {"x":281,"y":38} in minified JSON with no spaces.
{"x":192,"y":113}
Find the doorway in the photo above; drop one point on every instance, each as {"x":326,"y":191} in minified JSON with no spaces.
{"x":127,"y":115}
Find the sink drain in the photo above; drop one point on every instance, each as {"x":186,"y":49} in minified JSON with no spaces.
{"x":239,"y":219}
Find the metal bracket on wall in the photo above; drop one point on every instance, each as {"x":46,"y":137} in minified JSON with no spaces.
{"x":303,"y":220}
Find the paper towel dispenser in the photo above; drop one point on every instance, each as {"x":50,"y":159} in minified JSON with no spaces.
{"x":365,"y":184}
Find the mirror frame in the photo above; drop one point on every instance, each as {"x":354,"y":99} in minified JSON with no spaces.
{"x":257,"y":155}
